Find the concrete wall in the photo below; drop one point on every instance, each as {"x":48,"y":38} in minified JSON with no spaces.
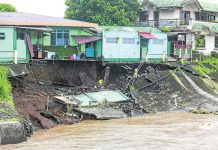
{"x":209,"y":45}
{"x":121,"y":51}
{"x":11,"y":133}
{"x":192,"y":8}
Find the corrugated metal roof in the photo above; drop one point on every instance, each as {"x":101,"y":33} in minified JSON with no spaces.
{"x":201,"y":26}
{"x":211,"y":6}
{"x":93,"y":99}
{"x":106,"y":113}
{"x":206,"y":5}
{"x":167,"y":3}
{"x":147,"y":35}
{"x":85,"y":39}
{"x":27,"y":19}
{"x":36,"y":28}
{"x":129,"y":29}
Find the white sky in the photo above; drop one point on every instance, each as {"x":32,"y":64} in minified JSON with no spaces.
{"x":54,"y":8}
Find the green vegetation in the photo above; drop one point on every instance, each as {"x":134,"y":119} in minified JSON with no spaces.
{"x":165,"y":29}
{"x":203,"y":70}
{"x":4,"y":7}
{"x":61,"y":51}
{"x":5,"y":86}
{"x":103,"y":12}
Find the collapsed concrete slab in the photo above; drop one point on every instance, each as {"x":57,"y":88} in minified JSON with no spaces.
{"x":11,"y":133}
{"x":103,"y":113}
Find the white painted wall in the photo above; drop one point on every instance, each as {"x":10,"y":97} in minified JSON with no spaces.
{"x":167,"y":14}
{"x":210,"y":45}
{"x":120,"y":50}
{"x":192,"y":8}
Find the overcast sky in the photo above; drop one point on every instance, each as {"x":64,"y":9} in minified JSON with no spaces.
{"x":54,"y":8}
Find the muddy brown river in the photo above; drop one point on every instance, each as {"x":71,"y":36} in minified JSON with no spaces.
{"x":161,"y":131}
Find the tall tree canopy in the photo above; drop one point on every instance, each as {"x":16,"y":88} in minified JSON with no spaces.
{"x":103,"y":12}
{"x":4,"y":7}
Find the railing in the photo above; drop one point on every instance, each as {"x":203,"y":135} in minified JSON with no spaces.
{"x":13,"y":57}
{"x":164,"y":23}
{"x":178,"y":45}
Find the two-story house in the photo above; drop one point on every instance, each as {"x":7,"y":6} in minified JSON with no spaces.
{"x":190,"y":24}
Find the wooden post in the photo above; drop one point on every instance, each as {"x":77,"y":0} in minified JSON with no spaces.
{"x":106,"y":76}
{"x":15,"y":56}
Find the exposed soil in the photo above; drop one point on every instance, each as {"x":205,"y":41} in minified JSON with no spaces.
{"x":156,"y":88}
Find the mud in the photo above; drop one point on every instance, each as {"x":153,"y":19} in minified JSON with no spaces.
{"x":155,"y":88}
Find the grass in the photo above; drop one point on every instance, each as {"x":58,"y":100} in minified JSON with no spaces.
{"x":5,"y":87}
{"x":203,"y":70}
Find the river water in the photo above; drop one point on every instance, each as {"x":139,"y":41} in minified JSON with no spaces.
{"x":161,"y":131}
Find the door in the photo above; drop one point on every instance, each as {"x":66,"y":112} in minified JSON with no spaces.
{"x":144,"y":48}
{"x":185,"y":17}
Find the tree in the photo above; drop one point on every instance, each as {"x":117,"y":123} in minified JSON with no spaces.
{"x":103,"y":12}
{"x":7,"y":8}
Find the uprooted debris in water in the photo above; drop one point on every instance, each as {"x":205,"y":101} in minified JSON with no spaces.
{"x":106,"y":104}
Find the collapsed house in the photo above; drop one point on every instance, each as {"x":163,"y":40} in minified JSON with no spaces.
{"x":102,"y":105}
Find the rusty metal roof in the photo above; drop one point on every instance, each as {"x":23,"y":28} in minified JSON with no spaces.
{"x":28,"y":19}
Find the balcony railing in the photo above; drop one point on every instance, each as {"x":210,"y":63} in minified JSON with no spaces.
{"x":178,"y":45}
{"x":172,"y":23}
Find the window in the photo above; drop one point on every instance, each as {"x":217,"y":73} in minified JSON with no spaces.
{"x":143,"y":16}
{"x":111,"y":40}
{"x":212,"y":18}
{"x":20,"y":35}
{"x":2,"y":36}
{"x":60,"y":38}
{"x":200,"y":41}
{"x":216,"y":41}
{"x":128,"y":41}
{"x":158,"y":42}
{"x":204,"y":17}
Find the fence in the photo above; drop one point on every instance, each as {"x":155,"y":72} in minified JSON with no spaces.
{"x":10,"y":57}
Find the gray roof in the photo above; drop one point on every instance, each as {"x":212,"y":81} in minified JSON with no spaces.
{"x":205,"y":5}
{"x":28,"y":19}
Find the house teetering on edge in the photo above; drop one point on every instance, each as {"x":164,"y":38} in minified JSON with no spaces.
{"x":191,"y":24}
{"x":24,"y":35}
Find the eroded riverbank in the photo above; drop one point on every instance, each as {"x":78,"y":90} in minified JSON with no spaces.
{"x":155,"y":131}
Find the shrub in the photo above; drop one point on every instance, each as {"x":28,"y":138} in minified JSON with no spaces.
{"x":5,"y":86}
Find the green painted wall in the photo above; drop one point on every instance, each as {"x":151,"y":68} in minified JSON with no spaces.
{"x":144,"y":48}
{"x":34,"y":37}
{"x":47,"y":39}
{"x":8,"y":44}
{"x":72,"y":30}
{"x":98,"y":48}
{"x":61,"y":51}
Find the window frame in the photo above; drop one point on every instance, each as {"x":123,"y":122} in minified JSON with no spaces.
{"x":112,"y":40}
{"x":2,"y":36}
{"x":143,"y":16}
{"x":216,"y":44}
{"x":130,"y":41}
{"x":204,"y":42}
{"x":58,"y":37}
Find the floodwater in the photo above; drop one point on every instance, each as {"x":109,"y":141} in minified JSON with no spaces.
{"x":161,"y":131}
